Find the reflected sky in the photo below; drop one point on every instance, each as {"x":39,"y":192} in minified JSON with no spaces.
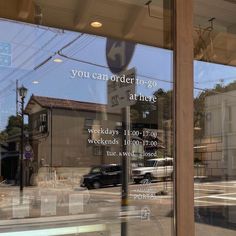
{"x":34,"y":48}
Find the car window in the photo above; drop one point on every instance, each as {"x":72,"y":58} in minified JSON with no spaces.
{"x":155,"y":163}
{"x":112,"y":168}
{"x":95,"y":170}
{"x":116,"y":168}
{"x":150,"y":163}
{"x":106,"y":169}
{"x":160,"y":163}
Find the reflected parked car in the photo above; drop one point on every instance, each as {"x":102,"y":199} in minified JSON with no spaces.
{"x":102,"y":175}
{"x":158,"y":168}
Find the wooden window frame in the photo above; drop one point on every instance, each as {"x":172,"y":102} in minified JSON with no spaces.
{"x":183,"y":116}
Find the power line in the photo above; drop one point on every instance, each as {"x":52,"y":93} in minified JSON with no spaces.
{"x":54,"y":30}
{"x":40,"y":64}
{"x":77,"y":45}
{"x":23,"y":40}
{"x":19,"y":31}
{"x":18,"y":46}
{"x":215,"y":92}
{"x":28,"y":46}
{"x":14,"y":70}
{"x":217,"y":80}
{"x":42,"y":73}
{"x":27,"y":60}
{"x":53,"y":66}
{"x":71,"y":42}
{"x":80,"y":45}
{"x":106,"y":67}
{"x":81,"y":61}
{"x":83,"y":47}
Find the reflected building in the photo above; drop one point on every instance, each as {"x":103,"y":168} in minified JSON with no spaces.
{"x":71,"y":136}
{"x":3,"y":151}
{"x":217,"y":148}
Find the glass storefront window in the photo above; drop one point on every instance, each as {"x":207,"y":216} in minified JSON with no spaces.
{"x":214,"y":126}
{"x":89,"y":149}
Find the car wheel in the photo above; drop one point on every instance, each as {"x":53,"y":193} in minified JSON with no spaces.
{"x":89,"y":186}
{"x":148,"y":177}
{"x":136,"y":181}
{"x":96,"y":184}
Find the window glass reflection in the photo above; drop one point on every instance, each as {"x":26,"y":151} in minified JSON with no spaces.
{"x":97,"y":145}
{"x":214,"y":131}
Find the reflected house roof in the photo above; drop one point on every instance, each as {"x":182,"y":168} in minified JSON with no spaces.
{"x":49,"y":102}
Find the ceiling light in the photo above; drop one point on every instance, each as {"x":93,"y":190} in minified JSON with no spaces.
{"x":96,"y":24}
{"x":58,"y":60}
{"x":35,"y":82}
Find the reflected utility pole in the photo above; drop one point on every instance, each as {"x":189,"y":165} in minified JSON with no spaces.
{"x":125,"y":167}
{"x":22,"y":93}
{"x":51,"y":144}
{"x":165,"y":187}
{"x":17,"y":101}
{"x":1,"y":162}
{"x":22,"y":148}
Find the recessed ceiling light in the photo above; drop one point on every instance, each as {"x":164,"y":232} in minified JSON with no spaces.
{"x":96,"y":24}
{"x":58,"y":60}
{"x":35,"y":82}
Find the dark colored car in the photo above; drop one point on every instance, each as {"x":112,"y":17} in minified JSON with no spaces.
{"x":103,"y":175}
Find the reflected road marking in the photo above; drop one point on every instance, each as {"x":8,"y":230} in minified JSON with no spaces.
{"x":59,"y":231}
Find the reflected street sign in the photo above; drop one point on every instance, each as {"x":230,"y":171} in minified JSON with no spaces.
{"x":118,"y":54}
{"x":119,"y":88}
{"x":5,"y":54}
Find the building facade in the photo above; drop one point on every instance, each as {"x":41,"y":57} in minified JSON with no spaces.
{"x":218,"y":143}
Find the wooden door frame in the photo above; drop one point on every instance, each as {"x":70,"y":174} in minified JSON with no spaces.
{"x":183,"y":117}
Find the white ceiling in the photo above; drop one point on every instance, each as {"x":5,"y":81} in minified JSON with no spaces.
{"x":127,"y":19}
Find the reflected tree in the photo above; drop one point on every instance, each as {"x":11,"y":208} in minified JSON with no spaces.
{"x":13,"y":128}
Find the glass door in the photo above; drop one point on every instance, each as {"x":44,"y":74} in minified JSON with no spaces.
{"x":214,"y":117}
{"x":86,"y":119}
